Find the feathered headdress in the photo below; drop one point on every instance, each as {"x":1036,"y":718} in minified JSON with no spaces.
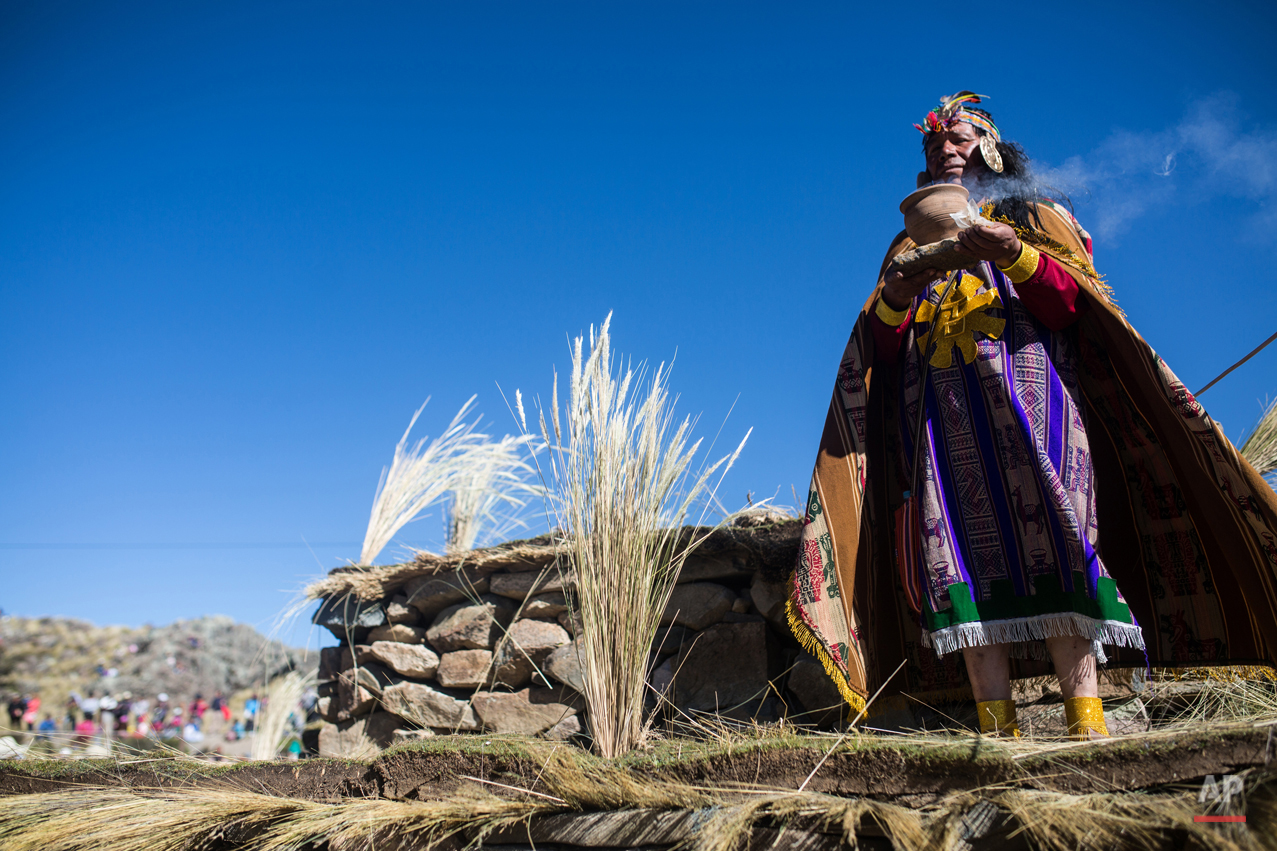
{"x":950,"y":112}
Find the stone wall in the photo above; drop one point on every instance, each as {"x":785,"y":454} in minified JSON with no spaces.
{"x":484,"y":642}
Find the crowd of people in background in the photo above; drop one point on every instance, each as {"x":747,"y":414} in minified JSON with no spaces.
{"x":121,"y":715}
{"x":23,"y":711}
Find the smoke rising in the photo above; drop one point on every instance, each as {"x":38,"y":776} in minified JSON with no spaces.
{"x":1207,"y":155}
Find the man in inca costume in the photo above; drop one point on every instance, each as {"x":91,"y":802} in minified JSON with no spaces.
{"x":1059,"y":495}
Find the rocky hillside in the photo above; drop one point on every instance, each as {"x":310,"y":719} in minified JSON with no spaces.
{"x":55,"y":656}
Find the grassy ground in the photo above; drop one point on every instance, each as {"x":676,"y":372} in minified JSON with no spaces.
{"x":1137,"y":791}
{"x":423,"y":794}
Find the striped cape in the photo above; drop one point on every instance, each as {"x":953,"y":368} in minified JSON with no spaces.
{"x":1187,"y":528}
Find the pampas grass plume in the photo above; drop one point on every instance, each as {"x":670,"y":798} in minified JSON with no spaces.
{"x":622,"y":488}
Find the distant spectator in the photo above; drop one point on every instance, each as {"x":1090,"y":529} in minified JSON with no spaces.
{"x":32,"y":712}
{"x":17,"y":708}
{"x":47,"y":726}
{"x":198,"y":707}
{"x":107,"y":705}
{"x":175,"y":723}
{"x":122,"y":712}
{"x":222,"y":705}
{"x":161,"y":713}
{"x":250,"y":713}
{"x":89,"y":706}
{"x":84,"y":730}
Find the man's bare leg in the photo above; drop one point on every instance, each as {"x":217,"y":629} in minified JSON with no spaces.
{"x":1076,"y":667}
{"x":989,"y":669}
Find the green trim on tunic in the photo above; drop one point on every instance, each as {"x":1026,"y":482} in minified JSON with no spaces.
{"x":1047,"y":599}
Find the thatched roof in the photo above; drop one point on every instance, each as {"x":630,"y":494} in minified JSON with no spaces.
{"x":766,"y":547}
{"x":374,"y":583}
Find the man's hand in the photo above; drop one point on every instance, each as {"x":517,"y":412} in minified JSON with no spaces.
{"x":898,"y":291}
{"x":996,"y":242}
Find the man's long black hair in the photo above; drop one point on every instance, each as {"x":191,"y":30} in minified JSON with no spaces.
{"x":1016,"y":189}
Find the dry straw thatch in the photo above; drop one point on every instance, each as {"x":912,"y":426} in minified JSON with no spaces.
{"x":362,"y":582}
{"x":155,"y":820}
{"x":569,"y":781}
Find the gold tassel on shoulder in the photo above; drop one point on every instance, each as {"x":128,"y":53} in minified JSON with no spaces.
{"x":1062,"y":253}
{"x":1084,"y":716}
{"x":997,"y":718}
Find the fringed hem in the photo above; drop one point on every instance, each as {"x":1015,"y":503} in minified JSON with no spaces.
{"x":1024,"y":634}
{"x":815,"y":647}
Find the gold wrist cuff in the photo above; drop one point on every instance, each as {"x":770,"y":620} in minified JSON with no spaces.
{"x":1083,"y":714}
{"x":997,"y":718}
{"x":1024,"y":266}
{"x":894,"y":318}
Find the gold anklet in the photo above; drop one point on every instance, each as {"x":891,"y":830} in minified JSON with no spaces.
{"x":1084,"y":715}
{"x":997,"y":718}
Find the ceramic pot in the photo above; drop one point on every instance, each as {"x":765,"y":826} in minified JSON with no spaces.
{"x":927,"y":212}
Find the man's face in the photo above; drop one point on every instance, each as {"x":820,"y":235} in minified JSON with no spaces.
{"x":954,"y":153}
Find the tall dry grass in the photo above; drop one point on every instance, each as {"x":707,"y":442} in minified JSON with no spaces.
{"x":417,"y":477}
{"x":622,"y":487}
{"x":492,"y":492}
{"x":486,"y":481}
{"x":1260,"y":448}
{"x":283,"y":698}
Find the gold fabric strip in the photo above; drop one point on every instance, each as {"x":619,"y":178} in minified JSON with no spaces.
{"x":997,"y":718}
{"x":894,"y":318}
{"x":1025,"y":266}
{"x":1083,"y":714}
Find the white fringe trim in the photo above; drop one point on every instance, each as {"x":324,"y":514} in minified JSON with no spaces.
{"x":1026,"y":634}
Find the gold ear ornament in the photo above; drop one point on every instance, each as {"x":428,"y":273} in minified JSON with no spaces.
{"x":989,"y":150}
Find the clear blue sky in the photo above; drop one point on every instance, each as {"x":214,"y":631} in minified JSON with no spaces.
{"x":241,"y":242}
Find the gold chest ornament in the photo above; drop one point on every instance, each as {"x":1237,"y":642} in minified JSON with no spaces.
{"x":957,"y":318}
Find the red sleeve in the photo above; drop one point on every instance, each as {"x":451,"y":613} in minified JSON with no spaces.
{"x":888,"y":339}
{"x":1052,"y":295}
